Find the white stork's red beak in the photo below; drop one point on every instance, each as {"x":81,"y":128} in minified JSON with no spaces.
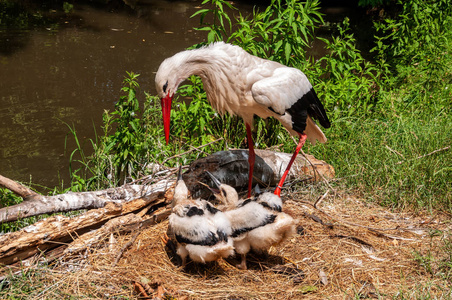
{"x":166,"y":112}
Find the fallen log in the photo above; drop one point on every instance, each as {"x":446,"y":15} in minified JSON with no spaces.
{"x":230,"y":167}
{"x":53,"y":231}
{"x":120,"y":224}
{"x":39,"y":204}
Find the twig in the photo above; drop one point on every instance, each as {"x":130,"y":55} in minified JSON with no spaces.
{"x":318,"y":220}
{"x":320,"y":199}
{"x":394,"y":151}
{"x":392,"y":237}
{"x":425,"y":155}
{"x":191,"y":150}
{"x":317,"y":171}
{"x":127,"y":245}
{"x":362,"y":242}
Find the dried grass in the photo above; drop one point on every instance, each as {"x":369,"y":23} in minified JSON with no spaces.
{"x":358,"y":262}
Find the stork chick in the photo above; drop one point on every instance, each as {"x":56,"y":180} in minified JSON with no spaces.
{"x":257,"y":223}
{"x":202,"y":232}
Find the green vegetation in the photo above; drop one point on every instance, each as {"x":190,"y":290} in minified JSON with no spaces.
{"x":13,"y":15}
{"x":390,"y":116}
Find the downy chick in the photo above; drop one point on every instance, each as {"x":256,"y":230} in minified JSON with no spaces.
{"x":202,"y":232}
{"x":257,"y":223}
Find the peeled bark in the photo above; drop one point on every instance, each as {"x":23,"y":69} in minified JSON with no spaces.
{"x":305,"y":168}
{"x":120,"y":224}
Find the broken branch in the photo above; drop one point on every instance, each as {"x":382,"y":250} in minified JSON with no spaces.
{"x":16,"y":187}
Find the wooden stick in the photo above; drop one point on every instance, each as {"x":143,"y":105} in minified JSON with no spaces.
{"x":126,"y":246}
{"x":316,"y":170}
{"x":394,"y":151}
{"x":16,"y":187}
{"x":320,"y":199}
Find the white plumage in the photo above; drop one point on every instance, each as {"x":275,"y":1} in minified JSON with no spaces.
{"x":245,"y":85}
{"x":257,"y":223}
{"x":202,"y":232}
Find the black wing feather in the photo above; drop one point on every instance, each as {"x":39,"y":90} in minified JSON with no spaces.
{"x":268,"y":220}
{"x":210,"y":240}
{"x":308,"y":104}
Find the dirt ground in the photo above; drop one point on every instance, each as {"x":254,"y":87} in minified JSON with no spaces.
{"x":345,"y":249}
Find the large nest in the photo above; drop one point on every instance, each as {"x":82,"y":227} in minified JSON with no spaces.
{"x":345,"y":248}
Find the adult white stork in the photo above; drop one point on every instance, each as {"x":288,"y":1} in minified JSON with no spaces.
{"x":245,"y":85}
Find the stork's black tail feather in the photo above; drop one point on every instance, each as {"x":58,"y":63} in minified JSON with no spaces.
{"x":308,"y":105}
{"x":316,"y":109}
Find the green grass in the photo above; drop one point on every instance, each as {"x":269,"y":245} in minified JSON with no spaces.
{"x":392,"y":160}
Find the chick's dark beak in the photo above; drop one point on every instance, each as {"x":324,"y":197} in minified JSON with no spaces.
{"x":216,"y":183}
{"x":166,"y":112}
{"x":179,"y":173}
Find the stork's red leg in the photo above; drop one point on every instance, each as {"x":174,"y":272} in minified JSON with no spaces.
{"x":301,"y":142}
{"x":251,"y":157}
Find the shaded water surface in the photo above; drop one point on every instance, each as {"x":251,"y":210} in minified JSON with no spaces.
{"x":69,"y":68}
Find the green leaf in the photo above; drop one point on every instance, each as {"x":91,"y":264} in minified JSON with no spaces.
{"x":211,"y":36}
{"x":201,"y":11}
{"x":287,"y":51}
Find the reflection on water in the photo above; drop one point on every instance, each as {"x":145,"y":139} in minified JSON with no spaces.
{"x":70,"y":70}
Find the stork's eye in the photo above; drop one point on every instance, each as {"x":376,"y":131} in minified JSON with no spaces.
{"x":165,"y":86}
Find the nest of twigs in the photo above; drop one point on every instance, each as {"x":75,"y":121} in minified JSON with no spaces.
{"x":345,"y":248}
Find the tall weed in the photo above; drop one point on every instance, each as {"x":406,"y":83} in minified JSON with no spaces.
{"x":280,"y":33}
{"x":346,"y":82}
{"x":418,"y":30}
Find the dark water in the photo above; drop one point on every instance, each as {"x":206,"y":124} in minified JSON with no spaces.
{"x":62,"y":68}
